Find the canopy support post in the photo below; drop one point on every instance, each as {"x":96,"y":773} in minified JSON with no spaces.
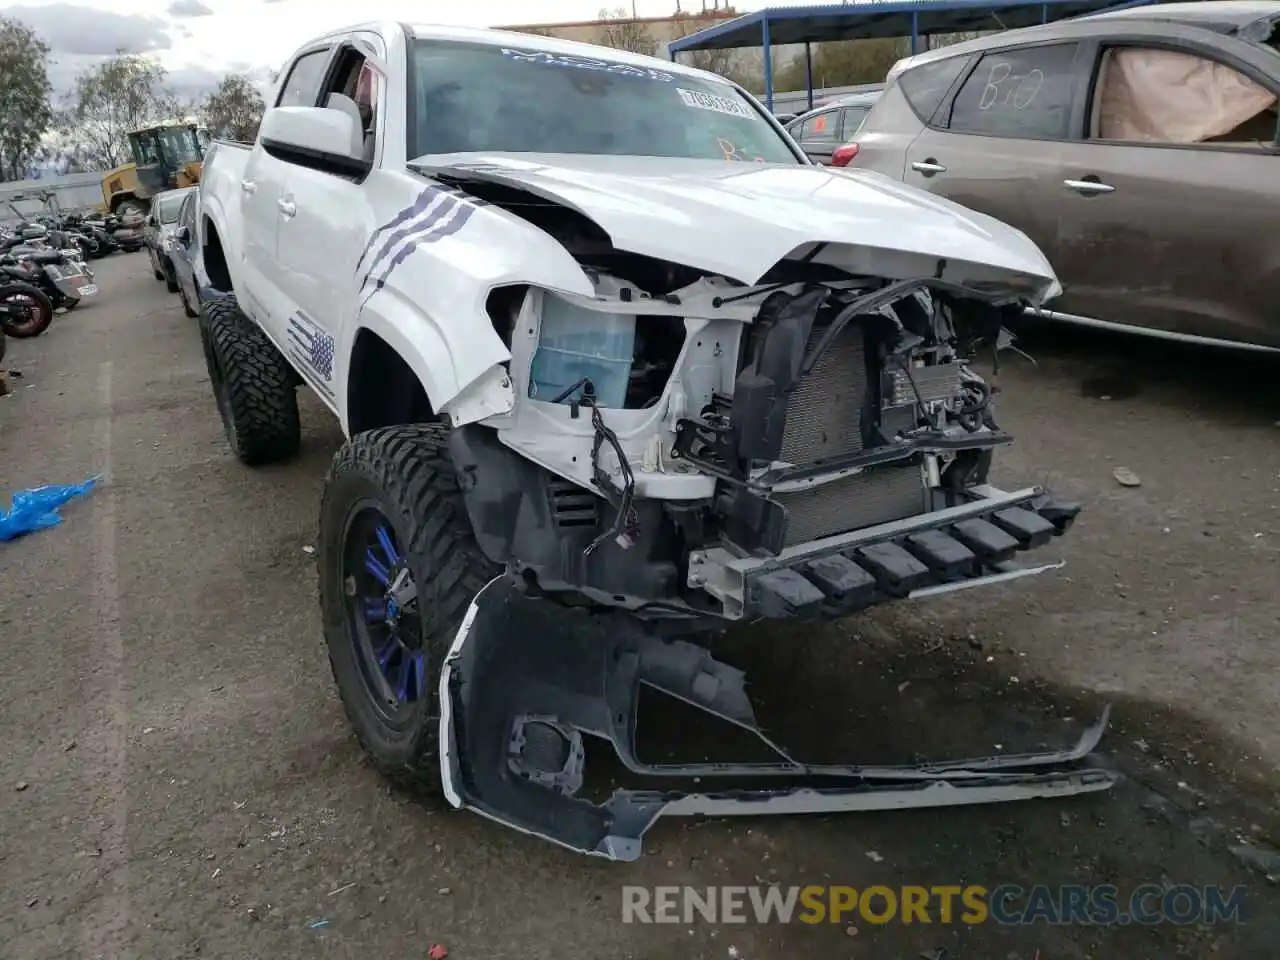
{"x":808,"y":71}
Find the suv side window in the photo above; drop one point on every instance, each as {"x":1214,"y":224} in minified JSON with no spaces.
{"x":822,"y":126}
{"x":926,"y":85}
{"x":1028,"y":92}
{"x":303,"y":83}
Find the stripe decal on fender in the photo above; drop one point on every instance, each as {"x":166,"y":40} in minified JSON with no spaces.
{"x":438,"y":212}
{"x":438,"y":230}
{"x":435,"y":212}
{"x":408,"y":213}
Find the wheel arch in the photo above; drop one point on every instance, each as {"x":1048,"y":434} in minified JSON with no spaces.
{"x":383,"y":388}
{"x":213,"y":256}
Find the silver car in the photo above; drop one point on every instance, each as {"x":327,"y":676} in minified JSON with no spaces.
{"x":161,"y":225}
{"x":825,"y":132}
{"x":184,"y":253}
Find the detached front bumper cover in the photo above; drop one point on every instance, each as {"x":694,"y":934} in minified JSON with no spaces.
{"x":526,"y":679}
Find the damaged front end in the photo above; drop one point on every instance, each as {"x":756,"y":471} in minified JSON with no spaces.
{"x":526,"y":683}
{"x":688,"y":448}
{"x":704,"y":452}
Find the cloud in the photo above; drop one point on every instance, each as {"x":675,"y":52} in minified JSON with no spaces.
{"x":76,"y":31}
{"x":189,"y":8}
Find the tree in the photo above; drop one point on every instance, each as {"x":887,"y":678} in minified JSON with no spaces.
{"x":618,"y":29}
{"x":744,"y":67}
{"x":119,"y":95}
{"x":234,"y":110}
{"x":844,"y":63}
{"x":25,"y":113}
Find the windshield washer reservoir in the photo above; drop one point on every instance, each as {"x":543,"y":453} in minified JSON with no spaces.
{"x":574,"y":342}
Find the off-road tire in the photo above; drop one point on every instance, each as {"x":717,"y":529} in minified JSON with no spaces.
{"x":252,"y":384}
{"x":407,"y":472}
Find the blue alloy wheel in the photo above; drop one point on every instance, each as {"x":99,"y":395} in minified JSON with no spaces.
{"x":383,"y":617}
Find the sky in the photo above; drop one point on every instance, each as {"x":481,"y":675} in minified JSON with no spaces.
{"x":199,"y":41}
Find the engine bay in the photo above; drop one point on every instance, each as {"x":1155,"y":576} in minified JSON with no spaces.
{"x":655,"y":424}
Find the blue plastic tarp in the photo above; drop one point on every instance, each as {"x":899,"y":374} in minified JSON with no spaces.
{"x":37,"y":508}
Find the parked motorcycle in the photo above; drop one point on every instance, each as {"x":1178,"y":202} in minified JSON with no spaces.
{"x":60,"y":273}
{"x":125,"y":232}
{"x":24,"y":311}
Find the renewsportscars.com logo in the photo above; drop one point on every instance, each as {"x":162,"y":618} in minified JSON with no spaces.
{"x":1100,"y":905}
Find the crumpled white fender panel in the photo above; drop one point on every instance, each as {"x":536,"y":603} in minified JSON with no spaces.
{"x":422,"y":279}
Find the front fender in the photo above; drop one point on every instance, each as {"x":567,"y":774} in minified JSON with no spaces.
{"x":419,"y":341}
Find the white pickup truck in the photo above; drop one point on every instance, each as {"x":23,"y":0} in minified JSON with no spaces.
{"x":618,"y":368}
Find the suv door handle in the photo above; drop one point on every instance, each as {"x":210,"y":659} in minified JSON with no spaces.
{"x":1088,"y":187}
{"x":928,"y":167}
{"x":248,"y":187}
{"x":287,"y":207}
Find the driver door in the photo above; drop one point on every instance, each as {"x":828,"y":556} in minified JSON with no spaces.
{"x":262,"y":208}
{"x":321,"y":230}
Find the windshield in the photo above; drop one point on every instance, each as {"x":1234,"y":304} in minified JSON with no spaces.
{"x":470,"y":97}
{"x":180,"y":145}
{"x":167,"y":208}
{"x":144,"y":148}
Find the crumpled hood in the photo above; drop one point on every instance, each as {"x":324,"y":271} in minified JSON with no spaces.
{"x":740,"y":219}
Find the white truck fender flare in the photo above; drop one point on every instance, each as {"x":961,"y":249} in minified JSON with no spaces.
{"x":417,"y":340}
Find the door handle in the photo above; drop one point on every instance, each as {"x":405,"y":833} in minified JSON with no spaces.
{"x":248,"y":187}
{"x":287,"y":207}
{"x":1088,"y":187}
{"x":928,"y":167}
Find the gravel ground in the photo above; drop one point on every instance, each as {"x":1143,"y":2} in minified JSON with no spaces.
{"x":178,"y":780}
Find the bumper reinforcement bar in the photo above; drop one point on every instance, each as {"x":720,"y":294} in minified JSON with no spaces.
{"x":526,"y":680}
{"x":970,"y":545}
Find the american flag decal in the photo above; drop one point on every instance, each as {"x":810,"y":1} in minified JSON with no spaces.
{"x":311,"y":346}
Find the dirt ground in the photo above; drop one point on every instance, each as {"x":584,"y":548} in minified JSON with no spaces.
{"x":177,"y":779}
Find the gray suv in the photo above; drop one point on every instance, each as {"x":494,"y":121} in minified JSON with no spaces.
{"x":1137,"y":148}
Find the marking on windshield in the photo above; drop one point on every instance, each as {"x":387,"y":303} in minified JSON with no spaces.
{"x":574,"y":62}
{"x":710,"y":101}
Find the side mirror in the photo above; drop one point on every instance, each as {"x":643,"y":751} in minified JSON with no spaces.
{"x":322,"y":138}
{"x":183,"y":236}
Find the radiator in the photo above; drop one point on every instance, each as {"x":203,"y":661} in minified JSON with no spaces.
{"x":862,"y":500}
{"x":824,"y":419}
{"x":824,"y":415}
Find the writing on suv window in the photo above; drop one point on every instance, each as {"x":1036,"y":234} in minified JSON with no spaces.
{"x":471,"y":98}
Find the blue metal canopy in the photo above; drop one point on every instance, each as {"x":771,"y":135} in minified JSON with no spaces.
{"x":774,"y":26}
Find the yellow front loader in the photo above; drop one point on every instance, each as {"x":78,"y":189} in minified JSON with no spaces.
{"x":165,"y":156}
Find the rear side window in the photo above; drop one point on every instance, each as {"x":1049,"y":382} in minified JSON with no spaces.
{"x":1026,"y":93}
{"x":926,"y":85}
{"x":824,"y":126}
{"x":302,"y":86}
{"x":853,"y":117}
